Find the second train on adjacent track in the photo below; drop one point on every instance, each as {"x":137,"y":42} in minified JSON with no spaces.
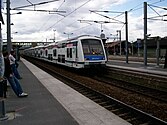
{"x":79,"y":52}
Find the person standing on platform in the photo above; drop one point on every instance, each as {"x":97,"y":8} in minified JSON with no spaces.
{"x":14,"y":82}
{"x":13,"y":65}
{"x":165,"y":63}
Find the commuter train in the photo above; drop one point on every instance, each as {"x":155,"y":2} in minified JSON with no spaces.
{"x":79,"y":52}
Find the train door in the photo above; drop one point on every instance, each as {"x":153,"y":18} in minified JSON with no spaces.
{"x":71,"y":54}
{"x":55,"y":54}
{"x":50,"y":52}
{"x":61,"y":53}
{"x":41,"y":53}
{"x":46,"y":53}
{"x":75,"y":52}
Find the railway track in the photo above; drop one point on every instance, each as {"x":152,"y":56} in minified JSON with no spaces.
{"x":141,"y":77}
{"x":146,"y":91}
{"x":129,"y":113}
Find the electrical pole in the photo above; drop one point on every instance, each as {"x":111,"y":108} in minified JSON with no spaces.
{"x":145,"y":33}
{"x":119,"y":31}
{"x":158,"y":49}
{"x":9,"y":44}
{"x":126,"y":31}
{"x":3,"y":115}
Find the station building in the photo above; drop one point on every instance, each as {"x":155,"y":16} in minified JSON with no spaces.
{"x":137,"y":48}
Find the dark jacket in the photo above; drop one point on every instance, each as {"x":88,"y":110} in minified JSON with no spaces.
{"x":8,"y":69}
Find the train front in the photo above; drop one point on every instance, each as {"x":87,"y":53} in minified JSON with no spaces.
{"x":93,"y":52}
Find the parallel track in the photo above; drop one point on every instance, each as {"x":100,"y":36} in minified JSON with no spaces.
{"x":146,"y":91}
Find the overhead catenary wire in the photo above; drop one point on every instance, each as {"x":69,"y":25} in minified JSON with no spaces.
{"x":164,"y":8}
{"x":108,"y":16}
{"x":154,"y":11}
{"x":81,"y":28}
{"x":61,"y":5}
{"x":133,"y":9}
{"x":138,"y":6}
{"x":29,"y":2}
{"x":155,"y":17}
{"x":40,"y":3}
{"x":68,"y":14}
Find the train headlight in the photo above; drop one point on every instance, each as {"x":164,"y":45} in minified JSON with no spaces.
{"x":102,"y":62}
{"x":86,"y":58}
{"x":86,"y":63}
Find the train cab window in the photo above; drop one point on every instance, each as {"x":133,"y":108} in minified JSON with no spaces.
{"x":54,"y":52}
{"x":46,"y":52}
{"x":92,"y":47}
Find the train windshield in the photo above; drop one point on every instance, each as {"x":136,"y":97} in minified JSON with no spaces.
{"x":92,"y":47}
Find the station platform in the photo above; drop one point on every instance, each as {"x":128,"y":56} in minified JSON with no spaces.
{"x":150,"y":68}
{"x":51,"y":102}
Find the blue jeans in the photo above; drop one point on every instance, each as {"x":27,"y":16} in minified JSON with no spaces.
{"x":15,"y":71}
{"x":14,"y":82}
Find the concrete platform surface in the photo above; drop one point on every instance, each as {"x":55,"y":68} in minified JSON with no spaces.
{"x":39,"y":108}
{"x":151,"y":68}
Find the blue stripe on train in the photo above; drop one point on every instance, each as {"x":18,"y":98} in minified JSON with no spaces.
{"x":93,"y":57}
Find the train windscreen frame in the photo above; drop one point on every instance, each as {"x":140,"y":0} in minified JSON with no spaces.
{"x":92,"y":49}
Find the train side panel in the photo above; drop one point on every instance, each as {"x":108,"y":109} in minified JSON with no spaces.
{"x":80,"y":52}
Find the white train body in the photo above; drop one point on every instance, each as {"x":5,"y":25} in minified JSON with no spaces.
{"x":79,"y":52}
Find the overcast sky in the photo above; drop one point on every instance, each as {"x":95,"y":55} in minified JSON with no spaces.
{"x":43,"y":26}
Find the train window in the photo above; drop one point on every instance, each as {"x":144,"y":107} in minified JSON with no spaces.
{"x":63,"y":58}
{"x":46,"y":52}
{"x":85,"y":46}
{"x":75,"y":44}
{"x":92,"y":47}
{"x":69,"y":52}
{"x":41,"y":52}
{"x":63,"y":45}
{"x":54,"y":52}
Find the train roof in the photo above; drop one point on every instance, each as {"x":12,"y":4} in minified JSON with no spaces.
{"x":66,"y":41}
{"x":82,"y":36}
{"x":78,"y":37}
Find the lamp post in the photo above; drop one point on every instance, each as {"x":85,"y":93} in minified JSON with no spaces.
{"x":9,"y":44}
{"x":54,"y":35}
{"x":115,"y":37}
{"x":119,"y":32}
{"x":68,"y":34}
{"x":13,"y":34}
{"x":16,"y":13}
{"x":16,"y":47}
{"x":158,"y":49}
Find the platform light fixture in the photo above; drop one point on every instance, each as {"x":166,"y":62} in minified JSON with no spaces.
{"x":68,"y":34}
